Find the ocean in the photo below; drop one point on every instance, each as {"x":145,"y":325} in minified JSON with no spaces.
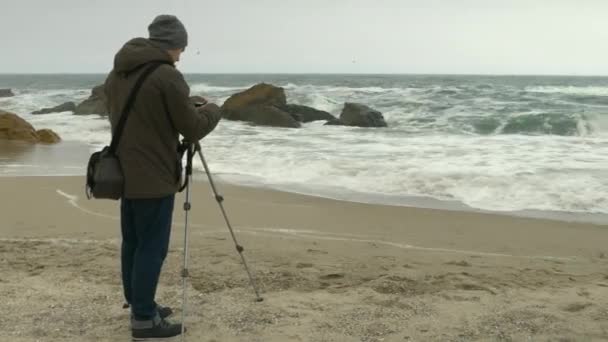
{"x":512,"y":144}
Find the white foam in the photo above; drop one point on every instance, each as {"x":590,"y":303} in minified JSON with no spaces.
{"x":204,"y":88}
{"x":495,"y":172}
{"x":331,"y":89}
{"x":91,"y":129}
{"x":507,"y":173}
{"x":571,"y":90}
{"x":27,"y":101}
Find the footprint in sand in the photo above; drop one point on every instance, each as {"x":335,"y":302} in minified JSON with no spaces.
{"x":576,"y":307}
{"x":462,"y":263}
{"x":316,"y":251}
{"x":583,"y":293}
{"x":332,"y":276}
{"x":474,"y":287}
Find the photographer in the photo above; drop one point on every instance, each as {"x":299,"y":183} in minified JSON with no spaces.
{"x":148,"y":154}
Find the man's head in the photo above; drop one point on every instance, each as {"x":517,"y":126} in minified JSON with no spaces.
{"x":169,"y":34}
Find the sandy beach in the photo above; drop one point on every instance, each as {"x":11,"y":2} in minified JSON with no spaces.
{"x":396,"y":171}
{"x":329,"y":270}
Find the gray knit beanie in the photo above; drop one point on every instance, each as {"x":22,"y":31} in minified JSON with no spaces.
{"x":168,"y":32}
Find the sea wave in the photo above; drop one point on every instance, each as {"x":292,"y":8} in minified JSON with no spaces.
{"x":205,"y":88}
{"x":571,"y":90}
{"x":492,"y":146}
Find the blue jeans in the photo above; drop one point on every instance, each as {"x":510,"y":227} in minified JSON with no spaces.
{"x":146,"y":230}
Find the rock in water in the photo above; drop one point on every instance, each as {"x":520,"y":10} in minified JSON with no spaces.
{"x":6,"y":93}
{"x":95,"y":104}
{"x":356,"y":114}
{"x":259,"y":94}
{"x":12,"y":127}
{"x":307,"y":114}
{"x":47,"y":136}
{"x":66,"y":107}
{"x":269,"y":116}
{"x":262,"y":105}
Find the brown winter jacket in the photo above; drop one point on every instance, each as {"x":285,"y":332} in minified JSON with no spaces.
{"x":148,"y":147}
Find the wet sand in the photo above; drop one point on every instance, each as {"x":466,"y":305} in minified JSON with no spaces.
{"x":66,"y":158}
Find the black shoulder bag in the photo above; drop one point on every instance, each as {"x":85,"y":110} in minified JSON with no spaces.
{"x":105,"y":178}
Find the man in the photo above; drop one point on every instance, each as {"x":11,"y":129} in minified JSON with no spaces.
{"x":148,"y":152}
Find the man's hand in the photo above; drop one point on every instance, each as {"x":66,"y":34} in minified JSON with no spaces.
{"x":213,"y":114}
{"x":198,"y":101}
{"x":210,"y":107}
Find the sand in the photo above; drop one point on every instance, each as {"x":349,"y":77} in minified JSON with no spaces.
{"x":329,"y":270}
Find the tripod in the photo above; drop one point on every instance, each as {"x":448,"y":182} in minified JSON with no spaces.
{"x":190,"y":150}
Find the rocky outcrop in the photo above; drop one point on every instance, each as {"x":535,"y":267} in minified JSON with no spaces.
{"x":66,"y":107}
{"x":261,"y":104}
{"x":268,"y":116}
{"x":47,"y":136}
{"x":356,"y":114}
{"x":6,"y":93}
{"x":12,"y":127}
{"x":259,"y":94}
{"x":307,"y":114}
{"x":95,"y":104}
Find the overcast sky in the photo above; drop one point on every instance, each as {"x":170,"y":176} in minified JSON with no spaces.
{"x":317,"y":36}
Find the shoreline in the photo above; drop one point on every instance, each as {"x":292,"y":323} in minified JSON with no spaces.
{"x":423,"y":202}
{"x":25,"y":160}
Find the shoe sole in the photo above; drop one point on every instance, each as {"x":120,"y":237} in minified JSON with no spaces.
{"x":139,"y":339}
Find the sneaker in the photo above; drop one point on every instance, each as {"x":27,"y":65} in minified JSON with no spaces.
{"x":154,"y":330}
{"x":163,"y":311}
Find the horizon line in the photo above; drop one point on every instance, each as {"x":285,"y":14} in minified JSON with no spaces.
{"x":321,"y":74}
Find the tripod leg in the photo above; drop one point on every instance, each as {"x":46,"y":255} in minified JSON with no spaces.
{"x":184,"y":273}
{"x":220,"y":199}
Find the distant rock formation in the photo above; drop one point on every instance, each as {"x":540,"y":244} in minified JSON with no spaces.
{"x":261,"y":104}
{"x":95,"y":104}
{"x":47,"y":136}
{"x":356,"y":114}
{"x":307,"y":114}
{"x":6,"y":93}
{"x":12,"y":127}
{"x":65,"y":107}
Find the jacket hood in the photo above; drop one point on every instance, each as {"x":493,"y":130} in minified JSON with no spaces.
{"x":136,"y":52}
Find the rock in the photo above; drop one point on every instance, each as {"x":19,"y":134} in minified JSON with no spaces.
{"x":268,"y":116}
{"x":259,"y":94}
{"x":12,"y":127}
{"x":66,"y":107}
{"x":6,"y":93}
{"x":355,"y":114}
{"x":334,"y":122}
{"x":95,"y":104}
{"x":262,"y":105}
{"x":46,"y":136}
{"x":307,"y":114}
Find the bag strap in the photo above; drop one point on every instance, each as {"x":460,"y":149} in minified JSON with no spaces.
{"x":129,"y":104}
